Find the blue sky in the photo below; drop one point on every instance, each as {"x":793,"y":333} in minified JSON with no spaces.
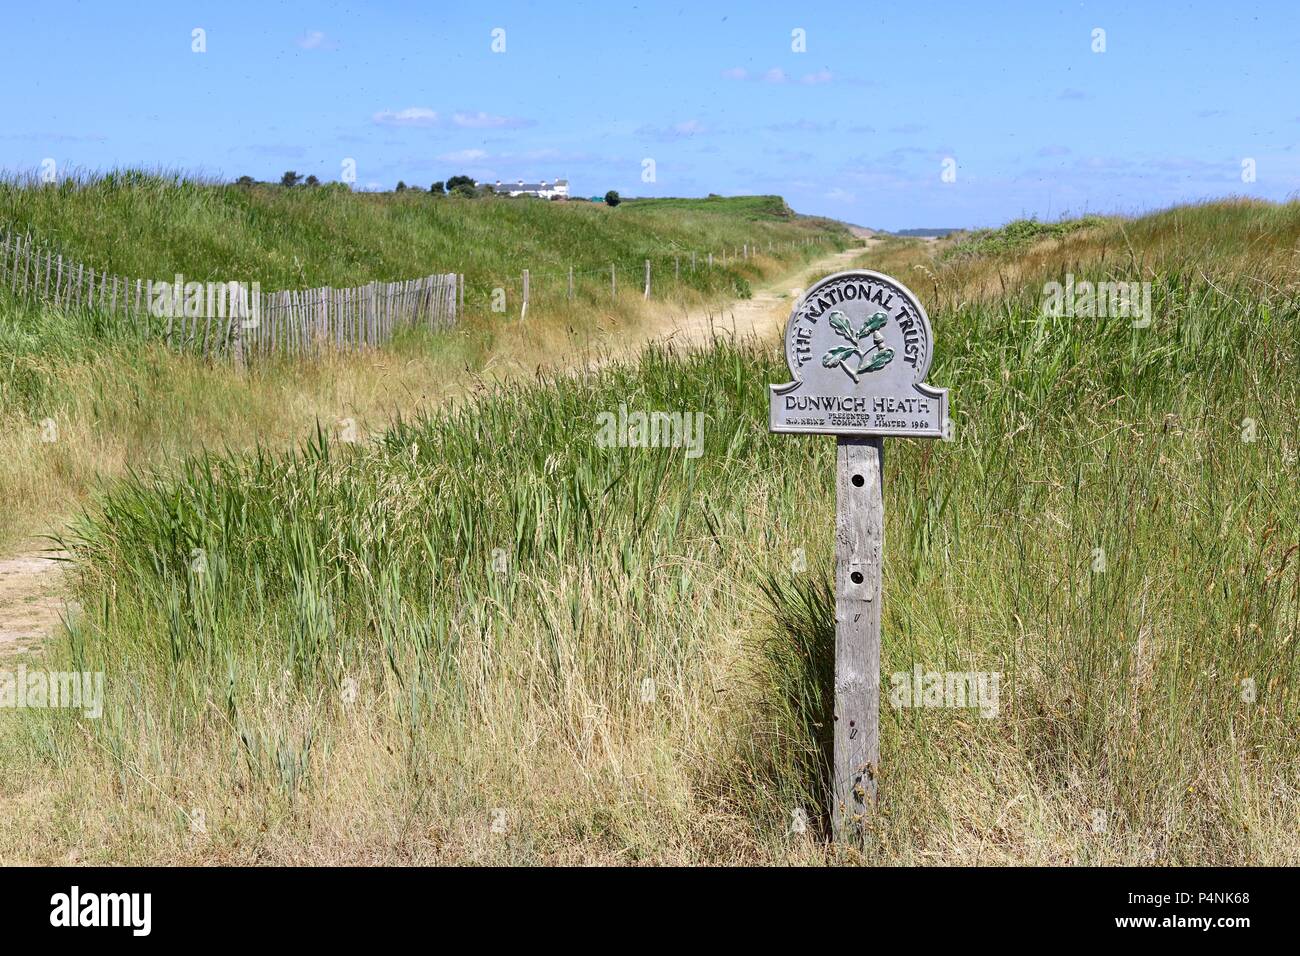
{"x":858,"y":126}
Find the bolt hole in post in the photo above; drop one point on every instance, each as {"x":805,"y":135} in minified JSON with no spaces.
{"x":858,"y":481}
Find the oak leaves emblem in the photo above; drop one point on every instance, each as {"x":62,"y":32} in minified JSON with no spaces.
{"x":854,"y":358}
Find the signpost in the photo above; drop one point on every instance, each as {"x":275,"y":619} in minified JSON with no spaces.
{"x":858,"y":345}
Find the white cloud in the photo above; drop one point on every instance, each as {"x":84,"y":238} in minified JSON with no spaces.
{"x":411,"y":116}
{"x":463,"y":156}
{"x":316,"y":40}
{"x":840,"y":195}
{"x":802,"y":126}
{"x":778,"y":75}
{"x":690,"y":127}
{"x":481,"y":120}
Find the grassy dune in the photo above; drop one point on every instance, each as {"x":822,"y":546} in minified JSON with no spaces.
{"x":151,"y":226}
{"x":482,"y":637}
{"x":120,"y":401}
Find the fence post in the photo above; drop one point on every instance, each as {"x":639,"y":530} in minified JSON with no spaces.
{"x":570,"y":282}
{"x":692,"y":261}
{"x":238,"y":315}
{"x":647,"y":278}
{"x":710,"y":260}
{"x":613,"y":282}
{"x":524,"y":311}
{"x":677,"y":268}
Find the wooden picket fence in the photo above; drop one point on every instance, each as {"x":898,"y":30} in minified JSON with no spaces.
{"x":234,"y":319}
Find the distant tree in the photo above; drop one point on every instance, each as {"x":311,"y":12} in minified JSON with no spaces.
{"x":611,"y":198}
{"x":464,"y":189}
{"x":460,"y":181}
{"x":290,"y":179}
{"x":401,"y":186}
{"x":244,"y":181}
{"x":311,"y":181}
{"x":438,"y":188}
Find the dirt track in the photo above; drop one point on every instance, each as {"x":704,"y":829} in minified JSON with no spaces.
{"x":31,"y":600}
{"x":762,"y":317}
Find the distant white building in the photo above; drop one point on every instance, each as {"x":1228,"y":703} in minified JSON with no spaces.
{"x":559,"y":189}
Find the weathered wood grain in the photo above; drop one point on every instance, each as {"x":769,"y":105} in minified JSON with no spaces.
{"x":859,"y":548}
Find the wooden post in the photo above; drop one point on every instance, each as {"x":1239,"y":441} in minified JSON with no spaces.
{"x":524,"y":311}
{"x":859,"y":548}
{"x":677,"y":268}
{"x":570,"y":282}
{"x":647,"y":279}
{"x":238,"y":314}
{"x":692,"y":261}
{"x":816,"y":360}
{"x":613,"y":282}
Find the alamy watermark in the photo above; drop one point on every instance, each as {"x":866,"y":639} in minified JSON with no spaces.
{"x":129,"y":910}
{"x":77,"y":690}
{"x":976,"y":690}
{"x":651,"y":430}
{"x":1098,"y":300}
{"x":206,"y":300}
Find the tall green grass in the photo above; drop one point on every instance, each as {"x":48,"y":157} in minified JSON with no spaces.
{"x":498,"y":589}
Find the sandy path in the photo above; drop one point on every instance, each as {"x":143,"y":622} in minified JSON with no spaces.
{"x":762,"y":317}
{"x":31,"y":599}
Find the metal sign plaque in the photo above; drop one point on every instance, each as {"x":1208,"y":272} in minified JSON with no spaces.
{"x":859,"y":345}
